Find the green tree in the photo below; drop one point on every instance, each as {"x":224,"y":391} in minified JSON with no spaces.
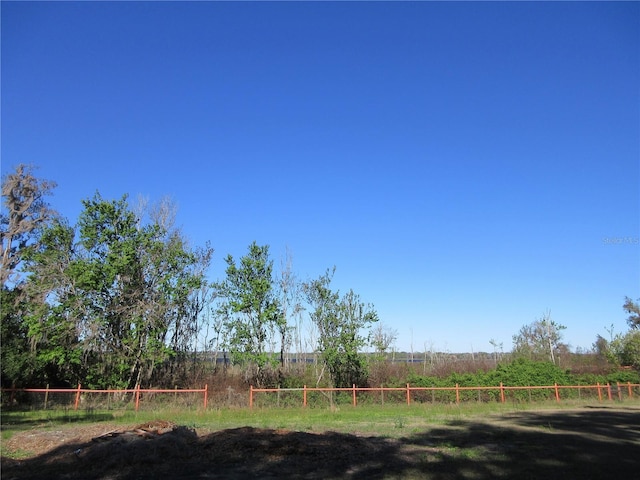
{"x":114,"y":304}
{"x":630,"y":351}
{"x":250,"y":311}
{"x":24,"y":215}
{"x":53,"y":332}
{"x":540,"y":338}
{"x":19,"y":367}
{"x":623,"y":349}
{"x":340,"y":322}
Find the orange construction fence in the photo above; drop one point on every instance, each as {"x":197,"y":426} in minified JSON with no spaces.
{"x":608,"y":390}
{"x":137,"y":392}
{"x":617,"y":391}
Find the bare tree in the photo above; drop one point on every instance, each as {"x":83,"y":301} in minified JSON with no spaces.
{"x":496,"y":346}
{"x":289,"y":292}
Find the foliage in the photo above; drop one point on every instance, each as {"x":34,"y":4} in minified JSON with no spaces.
{"x":539,"y":339}
{"x":24,"y":215}
{"x":520,"y":372}
{"x":339,"y":321}
{"x":111,"y":306}
{"x":120,"y":298}
{"x":618,"y":376}
{"x":623,"y":350}
{"x":523,"y":372}
{"x":250,"y":309}
{"x":18,"y":365}
{"x":48,"y":293}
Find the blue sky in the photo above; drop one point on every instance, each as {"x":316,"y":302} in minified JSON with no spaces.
{"x":467,"y":167}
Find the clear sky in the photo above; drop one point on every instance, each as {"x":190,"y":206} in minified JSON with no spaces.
{"x":467,"y":167}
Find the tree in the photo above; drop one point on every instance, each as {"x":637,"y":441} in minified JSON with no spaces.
{"x":633,"y":309}
{"x":18,"y":365}
{"x":250,"y":310}
{"x":288,"y":290}
{"x":116,"y":303}
{"x":496,"y":346}
{"x":623,"y":349}
{"x":339,"y":322}
{"x":540,"y":338}
{"x":26,"y":214}
{"x":601,"y":347}
{"x":382,"y":338}
{"x":50,"y":300}
{"x":630,"y":351}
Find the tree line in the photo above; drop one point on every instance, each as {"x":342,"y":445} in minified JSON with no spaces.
{"x":121,"y":298}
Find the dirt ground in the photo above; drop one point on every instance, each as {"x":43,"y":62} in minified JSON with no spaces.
{"x":587,"y":443}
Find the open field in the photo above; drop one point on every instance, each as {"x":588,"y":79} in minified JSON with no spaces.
{"x":422,"y":441}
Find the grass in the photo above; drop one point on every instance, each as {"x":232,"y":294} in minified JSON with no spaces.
{"x":470,"y":440}
{"x":391,"y":421}
{"x":387,"y":420}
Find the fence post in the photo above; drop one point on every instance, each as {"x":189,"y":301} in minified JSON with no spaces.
{"x":599,"y":393}
{"x":137,"y":396}
{"x":354,"y":394}
{"x":457,"y":393}
{"x":557,"y":392}
{"x":250,"y":396}
{"x":206,"y":394}
{"x":408,"y":395}
{"x":46,"y":396}
{"x":75,"y":407}
{"x":609,"y":391}
{"x":619,"y":391}
{"x":630,"y":390}
{"x":304,"y":396}
{"x":382,"y":393}
{"x":501,"y":392}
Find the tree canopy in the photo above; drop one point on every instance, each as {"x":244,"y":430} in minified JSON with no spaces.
{"x":107,"y":301}
{"x":341,"y":322}
{"x":542,"y":338}
{"x":250,"y":310}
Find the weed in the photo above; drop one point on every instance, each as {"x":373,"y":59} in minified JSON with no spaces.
{"x":399,"y":422}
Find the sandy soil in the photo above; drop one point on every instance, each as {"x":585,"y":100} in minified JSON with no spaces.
{"x":596,"y":443}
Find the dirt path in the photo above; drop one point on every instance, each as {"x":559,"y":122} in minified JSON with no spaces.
{"x":585,"y":443}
